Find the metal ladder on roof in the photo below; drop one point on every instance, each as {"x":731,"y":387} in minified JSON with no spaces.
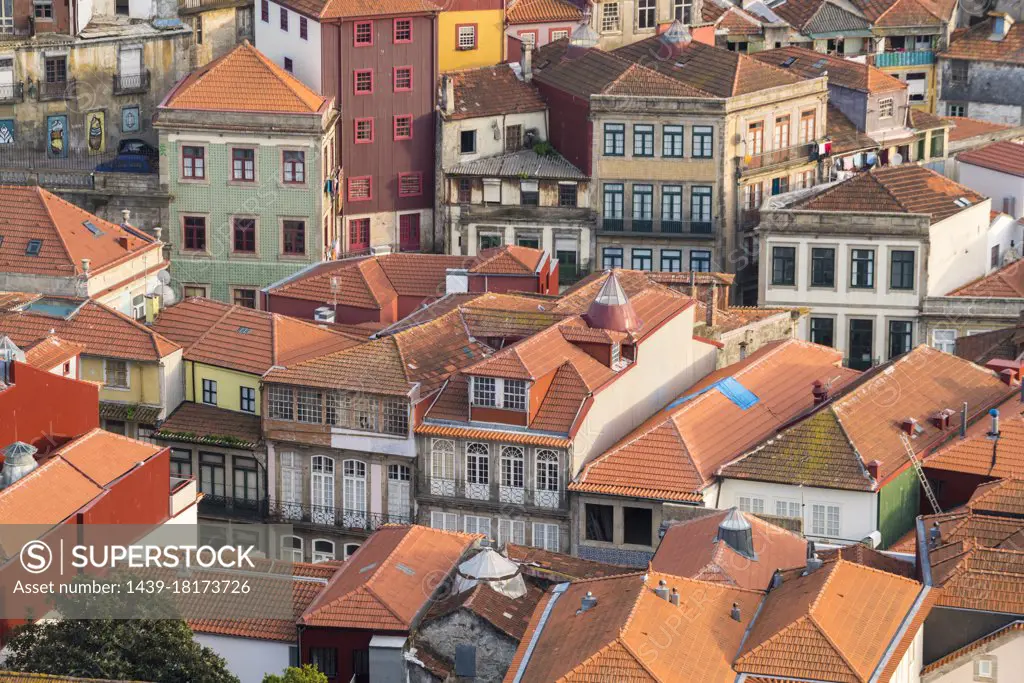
{"x":920,"y":474}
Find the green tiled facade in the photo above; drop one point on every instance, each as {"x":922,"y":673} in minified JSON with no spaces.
{"x":220,"y":199}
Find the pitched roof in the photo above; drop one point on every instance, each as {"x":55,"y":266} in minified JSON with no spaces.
{"x":267,"y":87}
{"x":965,"y":128}
{"x":1005,"y":283}
{"x":889,"y":14}
{"x":389,"y":581}
{"x":974,"y":44}
{"x":980,"y":528}
{"x":831,"y":447}
{"x":837,"y":622}
{"x":709,"y":69}
{"x":524,"y":163}
{"x":64,"y":235}
{"x":736,"y":22}
{"x":104,"y":456}
{"x":102,"y":331}
{"x":1004,"y":497}
{"x":907,"y":189}
{"x":1014,"y":630}
{"x":858,"y":553}
{"x":559,"y":566}
{"x":978,"y":454}
{"x":244,"y":339}
{"x":820,"y":16}
{"x":541,"y":11}
{"x":978,"y":578}
{"x":509,"y":615}
{"x":694,"y":549}
{"x":509,"y":260}
{"x":1004,"y":157}
{"x":51,"y":351}
{"x":922,"y":120}
{"x":675,"y":453}
{"x":841,"y":72}
{"x":596,"y":72}
{"x":204,"y":424}
{"x":845,"y":135}
{"x":492,"y":90}
{"x":356,"y":9}
{"x":615,"y":639}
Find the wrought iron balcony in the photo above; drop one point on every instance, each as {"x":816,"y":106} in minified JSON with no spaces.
{"x":654,"y":228}
{"x":527,"y":496}
{"x":797,"y":154}
{"x":58,"y":90}
{"x":12,"y":92}
{"x":254,"y":510}
{"x":125,"y":84}
{"x":342,"y":519}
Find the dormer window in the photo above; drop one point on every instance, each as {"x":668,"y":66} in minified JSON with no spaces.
{"x":509,"y":394}
{"x":616,"y":354}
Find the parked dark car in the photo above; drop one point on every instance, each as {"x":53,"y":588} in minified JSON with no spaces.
{"x":133,"y":156}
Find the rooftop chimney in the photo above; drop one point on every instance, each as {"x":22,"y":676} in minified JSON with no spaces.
{"x":447,"y":95}
{"x":963,"y":421}
{"x":909,"y":426}
{"x":943,"y":418}
{"x":526,"y":64}
{"x":19,"y":460}
{"x":85,"y":265}
{"x":587,"y":602}
{"x":735,"y":532}
{"x":712,"y":311}
{"x":993,"y":433}
{"x":873,"y":468}
{"x":158,"y":233}
{"x":735,"y":612}
{"x":674,"y":597}
{"x":776,"y":581}
{"x":934,"y":534}
{"x":1008,"y":376}
{"x":662,"y":590}
{"x":126,"y":215}
{"x":122,"y":242}
{"x":813,"y":561}
{"x":819,"y":391}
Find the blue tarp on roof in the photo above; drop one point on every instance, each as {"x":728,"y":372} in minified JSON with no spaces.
{"x":728,"y":387}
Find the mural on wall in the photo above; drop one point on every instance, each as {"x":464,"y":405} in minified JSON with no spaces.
{"x":6,"y":131}
{"x":96,"y":132}
{"x":130,"y":120}
{"x":57,"y":127}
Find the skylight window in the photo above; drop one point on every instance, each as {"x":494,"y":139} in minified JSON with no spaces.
{"x":368,"y":567}
{"x":244,"y":330}
{"x":1,"y":240}
{"x":405,"y":568}
{"x":91,"y":227}
{"x":962,"y":202}
{"x":818,"y":64}
{"x":33,"y":247}
{"x":789,"y":62}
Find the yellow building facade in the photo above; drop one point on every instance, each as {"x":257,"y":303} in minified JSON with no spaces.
{"x":228,"y":385}
{"x":470,"y":34}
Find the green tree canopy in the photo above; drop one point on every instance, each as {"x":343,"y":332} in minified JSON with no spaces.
{"x":293,"y":674}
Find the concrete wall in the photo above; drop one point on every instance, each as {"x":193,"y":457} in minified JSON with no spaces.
{"x":995,"y":185}
{"x":487,"y":144}
{"x":991,"y":92}
{"x":247,"y":658}
{"x":628,"y":30}
{"x":277,"y":44}
{"x":229,"y":384}
{"x":752,"y":337}
{"x":958,"y":250}
{"x":1006,"y":653}
{"x":221,"y":33}
{"x":494,"y":650}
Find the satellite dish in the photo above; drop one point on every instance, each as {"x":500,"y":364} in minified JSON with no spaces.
{"x":163,"y":277}
{"x":166,"y":294}
{"x":896,"y":159}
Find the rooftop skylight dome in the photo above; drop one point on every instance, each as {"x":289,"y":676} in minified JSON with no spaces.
{"x":19,"y":460}
{"x":491,"y":568}
{"x":611,"y":309}
{"x":673,"y":40}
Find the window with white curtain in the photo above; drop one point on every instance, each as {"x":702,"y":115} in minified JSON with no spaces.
{"x":511,"y":531}
{"x":323,"y":550}
{"x":546,"y":536}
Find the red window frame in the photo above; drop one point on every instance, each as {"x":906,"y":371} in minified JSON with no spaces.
{"x":355,"y":81}
{"x":395,"y":77}
{"x":188,"y":161}
{"x":293,"y":237}
{"x":297,"y":167}
{"x":551,"y":32}
{"x":192,"y":234}
{"x":403,"y":118}
{"x":355,"y":131}
{"x":248,"y":235}
{"x":409,"y":232}
{"x":355,"y":181}
{"x":358,"y":233}
{"x":395,"y":29}
{"x":355,"y":33}
{"x":418,"y":176}
{"x":476,"y":37}
{"x":243,"y":179}
{"x":532,"y":32}
{"x":303,"y":28}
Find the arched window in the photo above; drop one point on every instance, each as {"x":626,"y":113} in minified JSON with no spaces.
{"x":323,"y":550}
{"x":291,"y":485}
{"x":399,"y":494}
{"x":354,"y":493}
{"x":349,"y":549}
{"x":512,"y":468}
{"x":291,"y":548}
{"x":322,"y":489}
{"x":547,"y":493}
{"x":478,"y":471}
{"x":442,"y":467}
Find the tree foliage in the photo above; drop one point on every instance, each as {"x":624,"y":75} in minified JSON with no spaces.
{"x":293,"y":674}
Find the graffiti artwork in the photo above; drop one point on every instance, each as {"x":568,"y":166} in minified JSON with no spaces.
{"x":57,"y":127}
{"x":130,"y":120}
{"x":6,"y":131}
{"x":96,"y":132}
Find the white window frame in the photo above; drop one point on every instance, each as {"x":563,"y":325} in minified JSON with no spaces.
{"x":446,"y":521}
{"x":464,"y":32}
{"x":546,"y":536}
{"x":611,"y":17}
{"x":323,"y":555}
{"x":473,"y":524}
{"x":291,"y":556}
{"x":946,"y":345}
{"x":482,"y":475}
{"x":511,"y":531}
{"x":886,"y":108}
{"x":512,"y":476}
{"x":750,"y":503}
{"x":349,"y":549}
{"x":353,"y":476}
{"x":825,"y":529}
{"x":499,"y":392}
{"x":784,"y":508}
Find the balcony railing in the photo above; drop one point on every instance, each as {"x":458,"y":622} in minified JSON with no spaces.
{"x":644,"y":227}
{"x":57,"y":90}
{"x":779,"y":157}
{"x":503,"y":495}
{"x":131,"y":83}
{"x":12,"y":92}
{"x":904,"y":58}
{"x":342,"y":519}
{"x":251,"y":509}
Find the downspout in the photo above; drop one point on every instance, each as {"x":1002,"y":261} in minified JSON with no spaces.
{"x":556,"y":593}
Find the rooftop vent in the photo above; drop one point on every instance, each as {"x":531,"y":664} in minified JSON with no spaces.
{"x":588,"y":602}
{"x":776,"y":581}
{"x":662,"y":590}
{"x":735,"y":532}
{"x":994,"y":430}
{"x":819,"y":391}
{"x":735,"y":612}
{"x":962,"y":202}
{"x":324,"y":314}
{"x":244,"y":330}
{"x":790,"y":61}
{"x":19,"y":460}
{"x":674,"y":597}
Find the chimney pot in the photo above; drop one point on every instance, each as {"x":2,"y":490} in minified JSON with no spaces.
{"x":122,"y":242}
{"x":994,"y":432}
{"x":909,"y":426}
{"x":735,"y":612}
{"x":934,"y":534}
{"x":587,"y":602}
{"x":126,"y":215}
{"x":85,"y":265}
{"x":158,"y":233}
{"x":662,"y":590}
{"x":873,"y":468}
{"x":1008,"y":376}
{"x":526,"y":64}
{"x":674,"y":597}
{"x":819,"y":391}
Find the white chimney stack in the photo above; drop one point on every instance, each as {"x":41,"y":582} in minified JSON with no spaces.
{"x":126,"y":215}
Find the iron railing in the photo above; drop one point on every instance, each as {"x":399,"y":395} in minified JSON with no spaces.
{"x":131,"y":83}
{"x":778,"y":157}
{"x":333,"y":517}
{"x":638,"y":226}
{"x":493,"y":492}
{"x":235,"y":508}
{"x":904,"y":58}
{"x":12,"y":92}
{"x":58,"y":90}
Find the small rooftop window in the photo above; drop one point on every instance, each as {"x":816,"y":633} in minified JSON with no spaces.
{"x":244,"y":330}
{"x":789,"y":62}
{"x":962,"y":202}
{"x":818,"y":64}
{"x":405,"y":569}
{"x":91,"y":227}
{"x":368,"y":567}
{"x":33,"y":247}
{"x":54,"y":307}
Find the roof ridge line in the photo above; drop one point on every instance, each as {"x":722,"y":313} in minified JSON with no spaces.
{"x":153,"y":334}
{"x":230,"y":309}
{"x":832,"y":643}
{"x":53,"y":221}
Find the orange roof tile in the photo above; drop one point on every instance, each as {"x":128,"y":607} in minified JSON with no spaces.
{"x":388,"y":582}
{"x":542,"y":11}
{"x":625,"y":636}
{"x":977,"y":578}
{"x":510,"y":437}
{"x":1004,"y":497}
{"x":51,"y":351}
{"x":886,"y":13}
{"x":32,"y":213}
{"x":1005,"y":283}
{"x":1004,"y":157}
{"x":841,"y":72}
{"x":736,"y":22}
{"x":837,"y":622}
{"x":858,"y":553}
{"x":963,"y":524}
{"x":102,"y":331}
{"x":268,"y":88}
{"x":104,"y":456}
{"x":1013,"y":630}
{"x":559,"y":566}
{"x":676,"y":453}
{"x":975,"y":44}
{"x":354,"y":9}
{"x":509,"y":260}
{"x":509,"y":615}
{"x":31,"y":499}
{"x":693,"y":549}
{"x":205,"y":424}
{"x":980,"y":455}
{"x":965,"y":128}
{"x":240,"y":338}
{"x":493,"y":90}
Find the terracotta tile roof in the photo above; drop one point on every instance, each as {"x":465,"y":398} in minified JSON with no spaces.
{"x":389,"y":581}
{"x":908,"y":189}
{"x":267,"y":87}
{"x":640,"y":81}
{"x":560,"y":567}
{"x":922,"y":120}
{"x":509,"y":615}
{"x":509,"y":260}
{"x":30,"y":500}
{"x":240,"y":338}
{"x":735,"y":317}
{"x":797,"y":13}
{"x":676,"y":453}
{"x":104,"y":456}
{"x":51,"y":351}
{"x":1003,"y":497}
{"x":1013,"y":630}
{"x":965,"y":128}
{"x":858,"y":553}
{"x":203,"y":424}
{"x":686,"y":278}
{"x":693,"y":549}
{"x":980,"y":455}
{"x":837,"y":622}
{"x":624,"y":636}
{"x":736,"y":22}
{"x":977,"y":578}
{"x":830,"y":448}
{"x":355,"y":9}
{"x":507,"y":437}
{"x":493,"y":90}
{"x":508,"y":316}
{"x":597,"y":72}
{"x":841,"y":72}
{"x":974,"y":44}
{"x":888,"y":14}
{"x":714,"y":70}
{"x":1005,"y":283}
{"x":141,"y":413}
{"x":102,"y":331}
{"x":963,"y":524}
{"x":1004,"y":157}
{"x":32,"y":213}
{"x":542,"y":11}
